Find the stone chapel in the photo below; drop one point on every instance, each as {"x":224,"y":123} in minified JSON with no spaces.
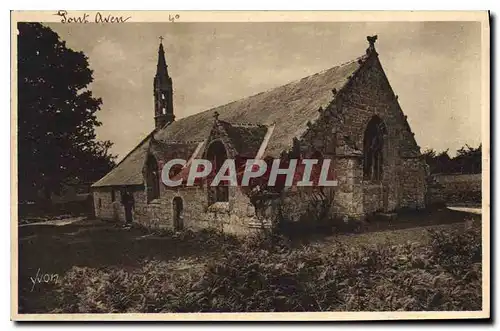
{"x":348,"y":113}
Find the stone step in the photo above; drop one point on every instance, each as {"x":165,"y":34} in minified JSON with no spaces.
{"x":263,"y":224}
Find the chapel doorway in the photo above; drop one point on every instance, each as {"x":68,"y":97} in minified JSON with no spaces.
{"x":178,"y":207}
{"x":217,"y":154}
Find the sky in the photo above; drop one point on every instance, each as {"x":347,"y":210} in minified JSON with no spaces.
{"x":433,"y":67}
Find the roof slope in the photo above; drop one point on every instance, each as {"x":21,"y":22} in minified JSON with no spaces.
{"x":129,"y":170}
{"x":163,"y":151}
{"x":289,"y":107}
{"x":246,"y":139}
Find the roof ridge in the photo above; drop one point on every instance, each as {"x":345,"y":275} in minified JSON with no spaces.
{"x":180,"y":141}
{"x":247,"y":125}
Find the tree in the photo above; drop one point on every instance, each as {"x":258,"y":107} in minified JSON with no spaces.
{"x":430,"y":159}
{"x":438,"y":163}
{"x":467,"y":161}
{"x":56,"y":115}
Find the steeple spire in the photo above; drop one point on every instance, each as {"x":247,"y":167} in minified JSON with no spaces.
{"x":161,"y":67}
{"x":163,"y":91}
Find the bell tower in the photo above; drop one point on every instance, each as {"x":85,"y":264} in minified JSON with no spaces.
{"x":163,"y":92}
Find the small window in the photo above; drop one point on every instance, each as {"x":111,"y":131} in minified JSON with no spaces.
{"x":113,"y":197}
{"x":163,"y":96}
{"x":164,"y":111}
{"x":99,"y":203}
{"x":152,"y":179}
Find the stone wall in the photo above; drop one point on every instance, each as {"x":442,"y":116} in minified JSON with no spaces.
{"x":105,"y":207}
{"x":373,"y":195}
{"x":102,"y":204}
{"x":348,"y":199}
{"x":339,"y":132}
{"x":113,"y":210}
{"x":307,"y":204}
{"x":236,"y":216}
{"x":371,"y":95}
{"x":413,"y":184}
{"x":231,"y":217}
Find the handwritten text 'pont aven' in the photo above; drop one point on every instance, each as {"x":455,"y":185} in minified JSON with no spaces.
{"x":86,"y":18}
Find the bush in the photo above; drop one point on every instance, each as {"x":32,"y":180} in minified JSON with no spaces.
{"x":263,"y":276}
{"x":457,"y":250}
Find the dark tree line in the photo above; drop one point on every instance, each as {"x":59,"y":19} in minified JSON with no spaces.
{"x":466,"y":161}
{"x":56,"y":116}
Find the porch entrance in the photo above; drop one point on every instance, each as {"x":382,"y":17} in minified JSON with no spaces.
{"x":178,"y":207}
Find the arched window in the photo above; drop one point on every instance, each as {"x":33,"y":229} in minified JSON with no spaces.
{"x":217,"y":154}
{"x":373,"y":147}
{"x":152,"y":178}
{"x":317,"y":155}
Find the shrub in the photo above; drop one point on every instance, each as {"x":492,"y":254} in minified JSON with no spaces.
{"x":267,"y":274}
{"x":456,"y":250}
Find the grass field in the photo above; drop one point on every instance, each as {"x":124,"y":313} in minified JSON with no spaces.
{"x":401,"y":265}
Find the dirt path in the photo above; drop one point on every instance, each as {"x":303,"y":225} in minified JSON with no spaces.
{"x":477,"y":211}
{"x":405,"y":229}
{"x":57,"y":222}
{"x":393,"y":237}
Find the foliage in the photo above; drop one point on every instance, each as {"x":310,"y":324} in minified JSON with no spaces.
{"x":56,"y":115}
{"x":467,"y":161}
{"x":456,"y":252}
{"x":272,"y":276}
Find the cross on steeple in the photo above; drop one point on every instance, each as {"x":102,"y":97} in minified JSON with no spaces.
{"x":161,"y":39}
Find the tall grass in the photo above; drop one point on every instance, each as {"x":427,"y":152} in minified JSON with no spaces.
{"x":266,"y":276}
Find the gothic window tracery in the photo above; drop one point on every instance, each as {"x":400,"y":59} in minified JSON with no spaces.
{"x":373,"y":147}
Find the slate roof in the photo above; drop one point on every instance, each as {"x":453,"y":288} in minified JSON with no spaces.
{"x":288,"y":107}
{"x":129,"y":170}
{"x":246,"y":139}
{"x":164,"y":151}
